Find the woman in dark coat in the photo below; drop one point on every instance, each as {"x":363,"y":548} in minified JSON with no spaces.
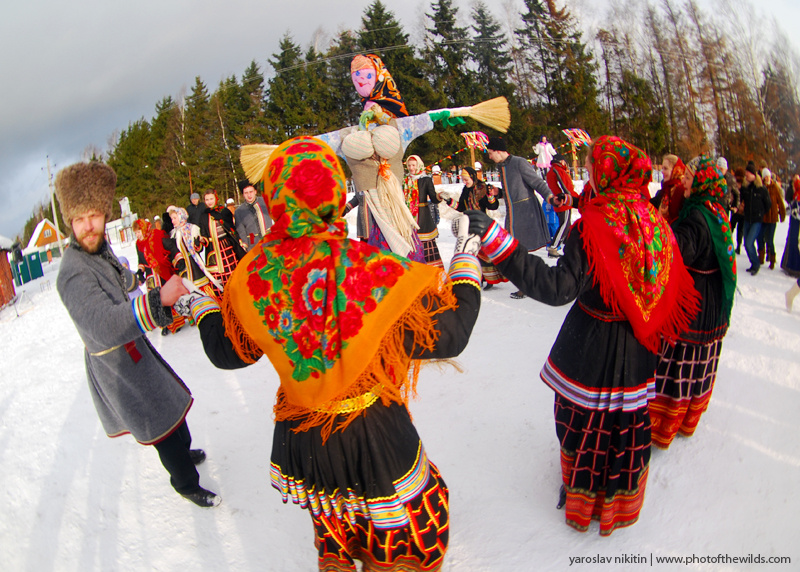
{"x":479,"y":196}
{"x":790,"y":262}
{"x":622,"y":266}
{"x":687,"y":365}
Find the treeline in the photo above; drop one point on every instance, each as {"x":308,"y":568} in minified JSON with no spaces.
{"x":663,"y":74}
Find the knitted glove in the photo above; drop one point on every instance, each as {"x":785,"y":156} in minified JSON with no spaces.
{"x":479,"y":222}
{"x":184,"y":304}
{"x":465,"y":241}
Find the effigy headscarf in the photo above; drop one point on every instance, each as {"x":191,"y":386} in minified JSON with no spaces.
{"x":329,"y":312}
{"x":632,"y":252}
{"x":708,"y":195}
{"x":385,"y":92}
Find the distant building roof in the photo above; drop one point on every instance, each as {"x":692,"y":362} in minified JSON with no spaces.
{"x":37,"y":232}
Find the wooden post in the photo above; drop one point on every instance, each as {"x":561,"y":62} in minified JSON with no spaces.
{"x":574,"y":160}
{"x":472,"y":157}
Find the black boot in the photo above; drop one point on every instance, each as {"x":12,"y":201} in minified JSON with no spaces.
{"x":203,"y":498}
{"x":562,"y":498}
{"x":197,"y":456}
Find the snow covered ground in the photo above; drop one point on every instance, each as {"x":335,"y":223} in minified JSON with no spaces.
{"x":75,"y":500}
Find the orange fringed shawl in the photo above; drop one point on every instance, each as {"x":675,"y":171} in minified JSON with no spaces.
{"x":331,"y":314}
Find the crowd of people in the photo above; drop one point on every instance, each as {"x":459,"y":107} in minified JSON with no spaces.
{"x":347,"y":324}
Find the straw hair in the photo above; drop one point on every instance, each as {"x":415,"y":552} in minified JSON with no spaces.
{"x":492,"y":113}
{"x":254,"y":159}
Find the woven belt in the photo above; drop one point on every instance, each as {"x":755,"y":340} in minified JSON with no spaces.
{"x":104,"y":352}
{"x":130,"y":347}
{"x":353,"y":404}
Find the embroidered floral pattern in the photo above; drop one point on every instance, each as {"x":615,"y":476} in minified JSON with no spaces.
{"x":312,"y":287}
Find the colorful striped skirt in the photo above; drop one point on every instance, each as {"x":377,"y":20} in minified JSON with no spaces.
{"x":370,"y":489}
{"x":605,"y":457}
{"x":684,"y":382}
{"x":418,"y":546}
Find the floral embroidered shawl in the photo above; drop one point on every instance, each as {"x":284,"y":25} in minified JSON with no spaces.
{"x":330,"y":313}
{"x":632,"y":252}
{"x":708,"y":195}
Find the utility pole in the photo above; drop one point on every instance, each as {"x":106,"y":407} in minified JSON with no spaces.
{"x":53,"y":204}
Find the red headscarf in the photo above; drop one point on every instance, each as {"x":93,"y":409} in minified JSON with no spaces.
{"x":632,"y":252}
{"x":152,"y":247}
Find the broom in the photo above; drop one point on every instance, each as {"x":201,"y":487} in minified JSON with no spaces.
{"x":254,"y":159}
{"x":492,"y":113}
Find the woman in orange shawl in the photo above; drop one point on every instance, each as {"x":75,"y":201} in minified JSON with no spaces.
{"x":622,"y":266}
{"x":345,"y":325}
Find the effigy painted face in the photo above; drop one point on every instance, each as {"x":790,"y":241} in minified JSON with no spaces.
{"x":364,"y":80}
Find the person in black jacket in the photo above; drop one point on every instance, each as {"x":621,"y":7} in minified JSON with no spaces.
{"x":756,"y":204}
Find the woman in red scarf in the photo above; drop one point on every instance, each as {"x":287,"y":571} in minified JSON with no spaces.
{"x":345,"y":325}
{"x":669,"y":199}
{"x":152,"y":247}
{"x":622,"y":266}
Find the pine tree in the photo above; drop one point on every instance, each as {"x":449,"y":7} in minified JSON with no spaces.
{"x":446,"y":54}
{"x":286,"y":113}
{"x":489,"y":55}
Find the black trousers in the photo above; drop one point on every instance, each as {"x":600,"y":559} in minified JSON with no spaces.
{"x":174,"y":453}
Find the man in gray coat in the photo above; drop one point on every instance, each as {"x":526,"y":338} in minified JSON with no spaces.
{"x":134,"y":390}
{"x":252,"y":218}
{"x":525,"y":218}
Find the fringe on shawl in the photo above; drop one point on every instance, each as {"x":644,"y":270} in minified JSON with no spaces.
{"x":673,"y":320}
{"x":243,"y":344}
{"x":391,"y":373}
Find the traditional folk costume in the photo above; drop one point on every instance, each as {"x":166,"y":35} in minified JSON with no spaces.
{"x":622,"y":264}
{"x":223,"y":250}
{"x":790,"y":262}
{"x":133,"y":388}
{"x":344,"y":324}
{"x":670,"y":196}
{"x":476,"y":198}
{"x":560,"y":182}
{"x":420,"y":195}
{"x":185,"y":251}
{"x":687,"y":366}
{"x":374,"y":152}
{"x":154,"y":261}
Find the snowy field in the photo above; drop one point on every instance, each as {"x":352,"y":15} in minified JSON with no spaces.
{"x":75,"y":500}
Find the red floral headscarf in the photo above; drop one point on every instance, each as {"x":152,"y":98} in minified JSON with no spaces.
{"x":708,"y":194}
{"x":326,"y":310}
{"x":632,"y":252}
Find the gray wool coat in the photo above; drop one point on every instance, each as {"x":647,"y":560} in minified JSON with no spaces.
{"x":134,"y":390}
{"x":525,"y":219}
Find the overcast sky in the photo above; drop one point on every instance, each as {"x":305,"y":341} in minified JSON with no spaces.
{"x":74,"y":73}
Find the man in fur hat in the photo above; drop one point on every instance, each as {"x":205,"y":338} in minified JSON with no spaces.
{"x":525,"y":218}
{"x":252,"y":218}
{"x":134,"y":390}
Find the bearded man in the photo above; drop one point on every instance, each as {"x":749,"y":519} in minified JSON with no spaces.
{"x":134,"y":390}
